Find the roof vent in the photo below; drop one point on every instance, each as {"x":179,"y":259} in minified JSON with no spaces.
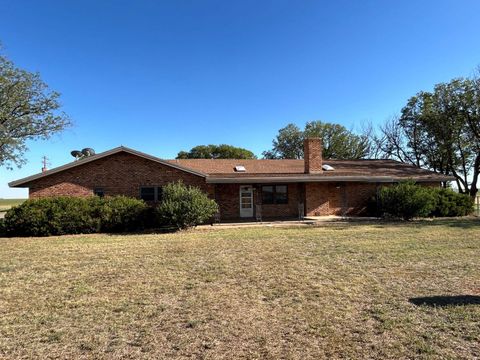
{"x":327,"y":167}
{"x":240,"y":168}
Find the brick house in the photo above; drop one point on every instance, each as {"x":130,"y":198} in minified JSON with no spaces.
{"x":250,"y":189}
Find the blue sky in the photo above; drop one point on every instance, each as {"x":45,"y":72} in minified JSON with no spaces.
{"x":164,"y":76}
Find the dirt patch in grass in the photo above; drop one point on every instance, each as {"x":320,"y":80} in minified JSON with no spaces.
{"x":339,"y":291}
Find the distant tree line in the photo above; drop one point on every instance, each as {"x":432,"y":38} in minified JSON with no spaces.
{"x":338,"y":142}
{"x":222,"y":151}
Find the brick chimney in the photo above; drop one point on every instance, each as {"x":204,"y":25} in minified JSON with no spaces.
{"x":312,"y":149}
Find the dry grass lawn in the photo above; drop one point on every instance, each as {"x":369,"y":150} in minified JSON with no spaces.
{"x":6,"y":204}
{"x":340,"y":291}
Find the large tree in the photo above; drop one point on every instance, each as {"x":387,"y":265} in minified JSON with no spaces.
{"x":439,"y":130}
{"x":338,"y":142}
{"x":28,"y":111}
{"x":222,"y":151}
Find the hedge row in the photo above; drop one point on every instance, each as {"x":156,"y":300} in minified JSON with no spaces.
{"x":407,"y":201}
{"x":181,"y":207}
{"x":70,"y":215}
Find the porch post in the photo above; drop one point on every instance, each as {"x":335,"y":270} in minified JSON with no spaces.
{"x":217,"y":216}
{"x":258,"y":202}
{"x":301,"y":200}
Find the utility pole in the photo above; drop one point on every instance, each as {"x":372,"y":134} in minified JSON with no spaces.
{"x":45,"y":163}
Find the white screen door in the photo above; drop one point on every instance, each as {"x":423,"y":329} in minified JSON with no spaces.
{"x":246,"y":201}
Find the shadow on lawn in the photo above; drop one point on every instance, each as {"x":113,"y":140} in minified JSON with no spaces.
{"x":145,"y":232}
{"x":443,"y":301}
{"x":469,"y":222}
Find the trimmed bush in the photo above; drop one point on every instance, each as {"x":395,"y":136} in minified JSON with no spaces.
{"x":72,"y":215}
{"x":184,"y":206}
{"x":121,"y":213}
{"x":51,"y":216}
{"x":450,"y":203}
{"x":407,"y":201}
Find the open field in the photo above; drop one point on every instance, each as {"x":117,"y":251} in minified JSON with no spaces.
{"x":6,"y":204}
{"x":340,"y":291}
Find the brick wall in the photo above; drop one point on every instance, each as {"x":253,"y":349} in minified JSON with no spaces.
{"x":337,"y":198}
{"x":118,"y":174}
{"x":357,"y":196}
{"x":227,"y":197}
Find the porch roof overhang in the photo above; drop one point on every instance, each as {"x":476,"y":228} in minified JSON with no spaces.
{"x":319,"y":178}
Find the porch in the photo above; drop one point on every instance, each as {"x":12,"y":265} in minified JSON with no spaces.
{"x":266,"y":202}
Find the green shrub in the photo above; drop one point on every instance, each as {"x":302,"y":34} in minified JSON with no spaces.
{"x":450,"y":203}
{"x":184,"y":206}
{"x":72,"y":215}
{"x":51,"y":216}
{"x":121,"y":213}
{"x":407,"y":201}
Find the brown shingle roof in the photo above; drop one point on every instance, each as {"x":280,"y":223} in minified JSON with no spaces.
{"x":224,"y":168}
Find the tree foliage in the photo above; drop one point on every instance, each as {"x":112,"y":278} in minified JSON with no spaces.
{"x":28,"y":111}
{"x":439,"y":130}
{"x":338,"y":142}
{"x":222,"y":151}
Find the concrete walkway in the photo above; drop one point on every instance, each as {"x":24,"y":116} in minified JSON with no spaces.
{"x":308,"y":221}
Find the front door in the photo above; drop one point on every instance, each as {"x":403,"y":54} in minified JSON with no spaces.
{"x":246,"y":201}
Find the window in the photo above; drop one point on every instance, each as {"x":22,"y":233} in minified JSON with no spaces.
{"x":281,"y":194}
{"x":99,"y":192}
{"x":274,"y":194}
{"x":268,"y":195}
{"x":147,"y":193}
{"x":151,"y":193}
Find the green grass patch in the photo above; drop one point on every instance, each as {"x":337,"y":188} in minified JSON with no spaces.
{"x":337,"y":291}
